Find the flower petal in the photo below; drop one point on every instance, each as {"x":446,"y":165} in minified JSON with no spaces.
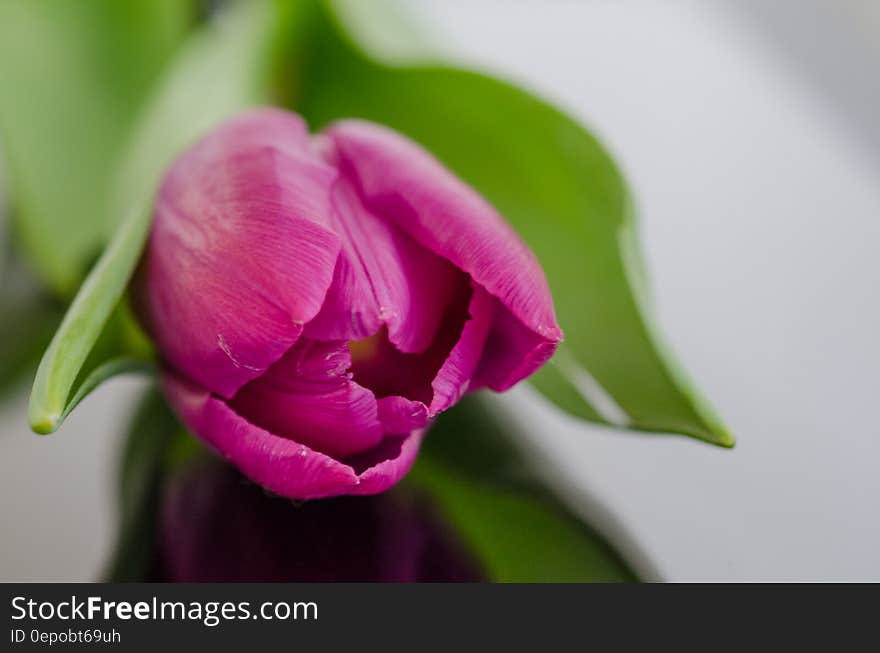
{"x":390,"y":463}
{"x":240,"y":255}
{"x":512,"y":353}
{"x":401,"y":415}
{"x":453,"y":379}
{"x":382,"y":277}
{"x":282,"y":465}
{"x":308,"y":396}
{"x":405,"y":185}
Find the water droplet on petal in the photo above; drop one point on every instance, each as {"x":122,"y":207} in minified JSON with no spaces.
{"x":547,"y":331}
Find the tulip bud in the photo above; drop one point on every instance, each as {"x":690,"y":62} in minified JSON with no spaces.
{"x":214,"y":526}
{"x":317,"y":300}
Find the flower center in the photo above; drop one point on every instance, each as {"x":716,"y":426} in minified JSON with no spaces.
{"x":365,"y":350}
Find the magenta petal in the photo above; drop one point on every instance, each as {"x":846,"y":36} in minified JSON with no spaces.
{"x":382,"y":277}
{"x":454,"y":377}
{"x":282,"y":465}
{"x":404,"y":184}
{"x":401,"y":415}
{"x":240,"y":255}
{"x":308,"y":396}
{"x":276,"y":463}
{"x":512,"y":353}
{"x":398,"y":455}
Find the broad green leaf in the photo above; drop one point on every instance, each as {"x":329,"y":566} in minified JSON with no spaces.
{"x":150,"y":434}
{"x":216,"y":74}
{"x":516,"y":528}
{"x":73,"y":77}
{"x":561,"y":191}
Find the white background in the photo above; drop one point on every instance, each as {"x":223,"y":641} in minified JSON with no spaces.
{"x":751,"y":145}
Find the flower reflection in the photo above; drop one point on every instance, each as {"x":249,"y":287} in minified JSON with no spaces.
{"x":216,"y":526}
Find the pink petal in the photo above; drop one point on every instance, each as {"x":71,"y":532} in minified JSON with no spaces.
{"x":240,"y":255}
{"x":391,"y":462}
{"x":401,"y":415}
{"x":405,"y":185}
{"x":382,"y":278}
{"x":282,"y":465}
{"x":454,"y":377}
{"x":308,"y":396}
{"x":512,"y":352}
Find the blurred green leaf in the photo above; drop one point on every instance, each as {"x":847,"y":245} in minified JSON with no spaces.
{"x":25,"y":329}
{"x":225,"y":66}
{"x":518,"y":537}
{"x":150,"y":434}
{"x":218,"y":72}
{"x":27,"y":320}
{"x":561,"y":191}
{"x":516,"y":528}
{"x":73,"y":77}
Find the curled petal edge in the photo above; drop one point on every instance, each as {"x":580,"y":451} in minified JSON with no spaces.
{"x":279,"y":464}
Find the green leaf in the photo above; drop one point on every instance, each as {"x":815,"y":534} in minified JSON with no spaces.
{"x":561,"y":191}
{"x":25,"y":329}
{"x":27,"y":320}
{"x":104,"y":371}
{"x":224,"y":67}
{"x":150,"y":435}
{"x":55,"y":387}
{"x":518,"y":537}
{"x":216,"y":74}
{"x":74,"y":75}
{"x":518,"y":530}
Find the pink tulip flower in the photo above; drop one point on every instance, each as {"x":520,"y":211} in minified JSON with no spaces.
{"x":318,"y":300}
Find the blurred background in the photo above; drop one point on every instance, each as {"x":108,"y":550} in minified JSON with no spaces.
{"x":750,"y":135}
